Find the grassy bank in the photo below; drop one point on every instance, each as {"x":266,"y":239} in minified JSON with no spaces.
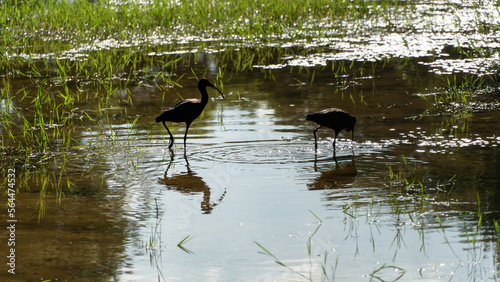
{"x":79,"y":30}
{"x":81,"y":20}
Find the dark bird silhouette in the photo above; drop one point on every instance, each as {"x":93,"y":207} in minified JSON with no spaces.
{"x":187,"y":110}
{"x":335,"y":119}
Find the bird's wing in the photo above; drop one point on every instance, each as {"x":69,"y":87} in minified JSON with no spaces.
{"x":180,"y":104}
{"x":331,"y":111}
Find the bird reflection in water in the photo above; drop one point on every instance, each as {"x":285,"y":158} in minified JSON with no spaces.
{"x":190,"y":183}
{"x":338,"y":177}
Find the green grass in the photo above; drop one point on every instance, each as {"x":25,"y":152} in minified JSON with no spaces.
{"x":95,"y":38}
{"x":325,"y":276}
{"x":75,"y":52}
{"x":88,"y":21}
{"x":413,"y":190}
{"x":454,"y":102}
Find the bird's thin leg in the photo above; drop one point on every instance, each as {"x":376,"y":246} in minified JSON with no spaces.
{"x":352,"y":138}
{"x":352,"y":141}
{"x":171,"y":136}
{"x":334,"y":140}
{"x":316,"y":139}
{"x":185,"y":134}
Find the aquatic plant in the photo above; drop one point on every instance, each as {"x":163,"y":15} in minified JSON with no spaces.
{"x":182,"y":242}
{"x":155,"y":246}
{"x":309,"y":275}
{"x":412,"y":190}
{"x":453,"y":104}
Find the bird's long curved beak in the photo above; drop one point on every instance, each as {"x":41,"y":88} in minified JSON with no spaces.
{"x":213,"y":86}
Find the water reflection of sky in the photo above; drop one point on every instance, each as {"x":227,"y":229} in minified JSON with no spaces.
{"x":263,"y":179}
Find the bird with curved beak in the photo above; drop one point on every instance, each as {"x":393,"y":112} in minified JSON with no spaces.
{"x":335,"y":119}
{"x":187,"y":110}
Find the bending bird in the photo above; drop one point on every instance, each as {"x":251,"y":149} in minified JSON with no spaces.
{"x":335,"y":119}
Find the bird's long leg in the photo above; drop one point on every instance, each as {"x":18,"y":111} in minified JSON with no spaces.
{"x":352,"y":141}
{"x":185,"y":157}
{"x":171,"y":136}
{"x":316,"y":139}
{"x":334,"y":140}
{"x":352,"y":138}
{"x":185,"y":134}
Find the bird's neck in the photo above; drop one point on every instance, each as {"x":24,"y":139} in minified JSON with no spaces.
{"x":204,"y":95}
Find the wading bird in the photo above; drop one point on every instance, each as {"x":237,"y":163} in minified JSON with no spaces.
{"x":335,"y":119}
{"x":187,"y":110}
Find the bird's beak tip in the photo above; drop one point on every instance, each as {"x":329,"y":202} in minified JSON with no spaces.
{"x":220,"y":92}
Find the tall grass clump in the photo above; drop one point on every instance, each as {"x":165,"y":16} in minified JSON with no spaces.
{"x":412,"y":189}
{"x":454,"y":103}
{"x":47,"y":122}
{"x":81,"y":41}
{"x":87,"y":21}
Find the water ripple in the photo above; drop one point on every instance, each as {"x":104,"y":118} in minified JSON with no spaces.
{"x":281,"y":151}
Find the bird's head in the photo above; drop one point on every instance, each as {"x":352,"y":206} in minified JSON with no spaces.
{"x":204,"y":83}
{"x":351,"y":126}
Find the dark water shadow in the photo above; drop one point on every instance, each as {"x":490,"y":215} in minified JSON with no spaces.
{"x":335,"y":176}
{"x":190,"y":183}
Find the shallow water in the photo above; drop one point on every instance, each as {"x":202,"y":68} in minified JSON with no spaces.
{"x":249,"y":175}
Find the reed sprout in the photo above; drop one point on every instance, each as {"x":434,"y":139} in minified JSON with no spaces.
{"x":308,"y":276}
